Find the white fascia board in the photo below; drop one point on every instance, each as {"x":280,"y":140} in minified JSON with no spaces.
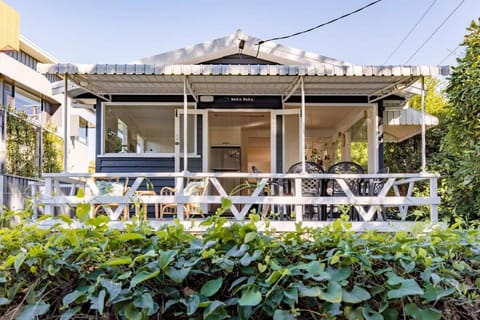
{"x":35,"y":51}
{"x":27,"y":77}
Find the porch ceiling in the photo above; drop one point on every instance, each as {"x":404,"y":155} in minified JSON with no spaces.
{"x":323,"y":79}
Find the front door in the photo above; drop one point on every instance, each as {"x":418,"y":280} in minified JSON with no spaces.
{"x":197,"y":140}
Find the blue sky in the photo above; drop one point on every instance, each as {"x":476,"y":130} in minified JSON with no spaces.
{"x":119,"y":31}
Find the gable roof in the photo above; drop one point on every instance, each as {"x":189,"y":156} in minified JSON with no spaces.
{"x":229,"y":45}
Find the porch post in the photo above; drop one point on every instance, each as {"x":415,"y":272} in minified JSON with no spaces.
{"x":185,"y":122}
{"x":424,"y":153}
{"x":302,"y":127}
{"x":381,"y":150}
{"x":65,"y":125}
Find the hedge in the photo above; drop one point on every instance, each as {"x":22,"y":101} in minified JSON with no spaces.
{"x":235,"y":271}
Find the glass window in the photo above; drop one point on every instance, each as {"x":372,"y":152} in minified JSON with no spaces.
{"x":143,"y":129}
{"x":83,"y":129}
{"x":27,"y":103}
{"x":8,"y":95}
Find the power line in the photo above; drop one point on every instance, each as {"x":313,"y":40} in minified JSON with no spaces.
{"x":410,"y":32}
{"x":448,"y":55}
{"x":434,"y":32}
{"x":320,"y":25}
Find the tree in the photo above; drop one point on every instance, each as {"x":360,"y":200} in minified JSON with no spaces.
{"x":461,"y":147}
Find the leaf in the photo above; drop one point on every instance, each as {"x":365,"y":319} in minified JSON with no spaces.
{"x":32,"y":311}
{"x":314,"y":268}
{"x":71,"y":297}
{"x":250,"y":297}
{"x":142,"y":276}
{"x":177,"y":275}
{"x":192,"y":304}
{"x":117,"y":261}
{"x":408,"y":267}
{"x":304,"y":291}
{"x":291,"y":293}
{"x":145,"y":302}
{"x":19,"y":261}
{"x":98,"y":302}
{"x":407,"y":288}
{"x":283,"y":315}
{"x":166,"y":257}
{"x":273,"y":277}
{"x":357,"y":295}
{"x":131,"y":313}
{"x":235,"y":251}
{"x":67,"y":315}
{"x":211,"y":287}
{"x":4,"y":301}
{"x":333,"y":294}
{"x":250,"y":236}
{"x":113,"y":288}
{"x":435,"y":293}
{"x":129,"y":236}
{"x":82,"y":212}
{"x":225,"y":264}
{"x":393,"y":279}
{"x":340,"y":274}
{"x":212,"y":307}
{"x":370,"y":314}
{"x":261,"y":267}
{"x":417,"y":313}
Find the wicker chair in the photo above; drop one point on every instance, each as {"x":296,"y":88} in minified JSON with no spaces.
{"x":111,"y":187}
{"x":193,"y":188}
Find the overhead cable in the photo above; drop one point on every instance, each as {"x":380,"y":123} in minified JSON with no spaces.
{"x":410,"y":32}
{"x":320,"y":25}
{"x":451,"y":52}
{"x":434,"y":32}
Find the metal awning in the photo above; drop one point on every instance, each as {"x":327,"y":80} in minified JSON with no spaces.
{"x":320,"y":79}
{"x":402,"y":123}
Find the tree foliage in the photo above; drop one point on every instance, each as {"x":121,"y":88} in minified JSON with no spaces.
{"x":406,"y":156}
{"x":462,"y":143}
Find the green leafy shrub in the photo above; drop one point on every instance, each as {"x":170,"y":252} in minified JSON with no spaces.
{"x":235,"y":271}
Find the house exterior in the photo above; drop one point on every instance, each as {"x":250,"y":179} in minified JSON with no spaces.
{"x":236,"y":103}
{"x":28,"y":94}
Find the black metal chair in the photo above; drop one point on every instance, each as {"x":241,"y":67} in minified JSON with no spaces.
{"x":310,"y":187}
{"x":354,"y":184}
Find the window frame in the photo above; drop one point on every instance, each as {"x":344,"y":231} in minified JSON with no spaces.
{"x":174,"y":105}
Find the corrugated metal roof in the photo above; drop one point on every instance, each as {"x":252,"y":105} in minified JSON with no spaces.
{"x":247,"y":70}
{"x":320,"y":79}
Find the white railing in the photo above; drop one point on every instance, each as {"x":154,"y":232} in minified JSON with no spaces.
{"x":60,"y":193}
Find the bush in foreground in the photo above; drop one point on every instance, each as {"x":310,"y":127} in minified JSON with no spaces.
{"x":236,"y":272}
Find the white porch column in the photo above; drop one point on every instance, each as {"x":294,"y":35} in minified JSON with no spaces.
{"x":372,"y":140}
{"x":424,"y":152}
{"x":185,"y":125}
{"x":302,"y":127}
{"x":65,"y":125}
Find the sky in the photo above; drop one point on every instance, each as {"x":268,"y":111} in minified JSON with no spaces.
{"x":120,"y":31}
